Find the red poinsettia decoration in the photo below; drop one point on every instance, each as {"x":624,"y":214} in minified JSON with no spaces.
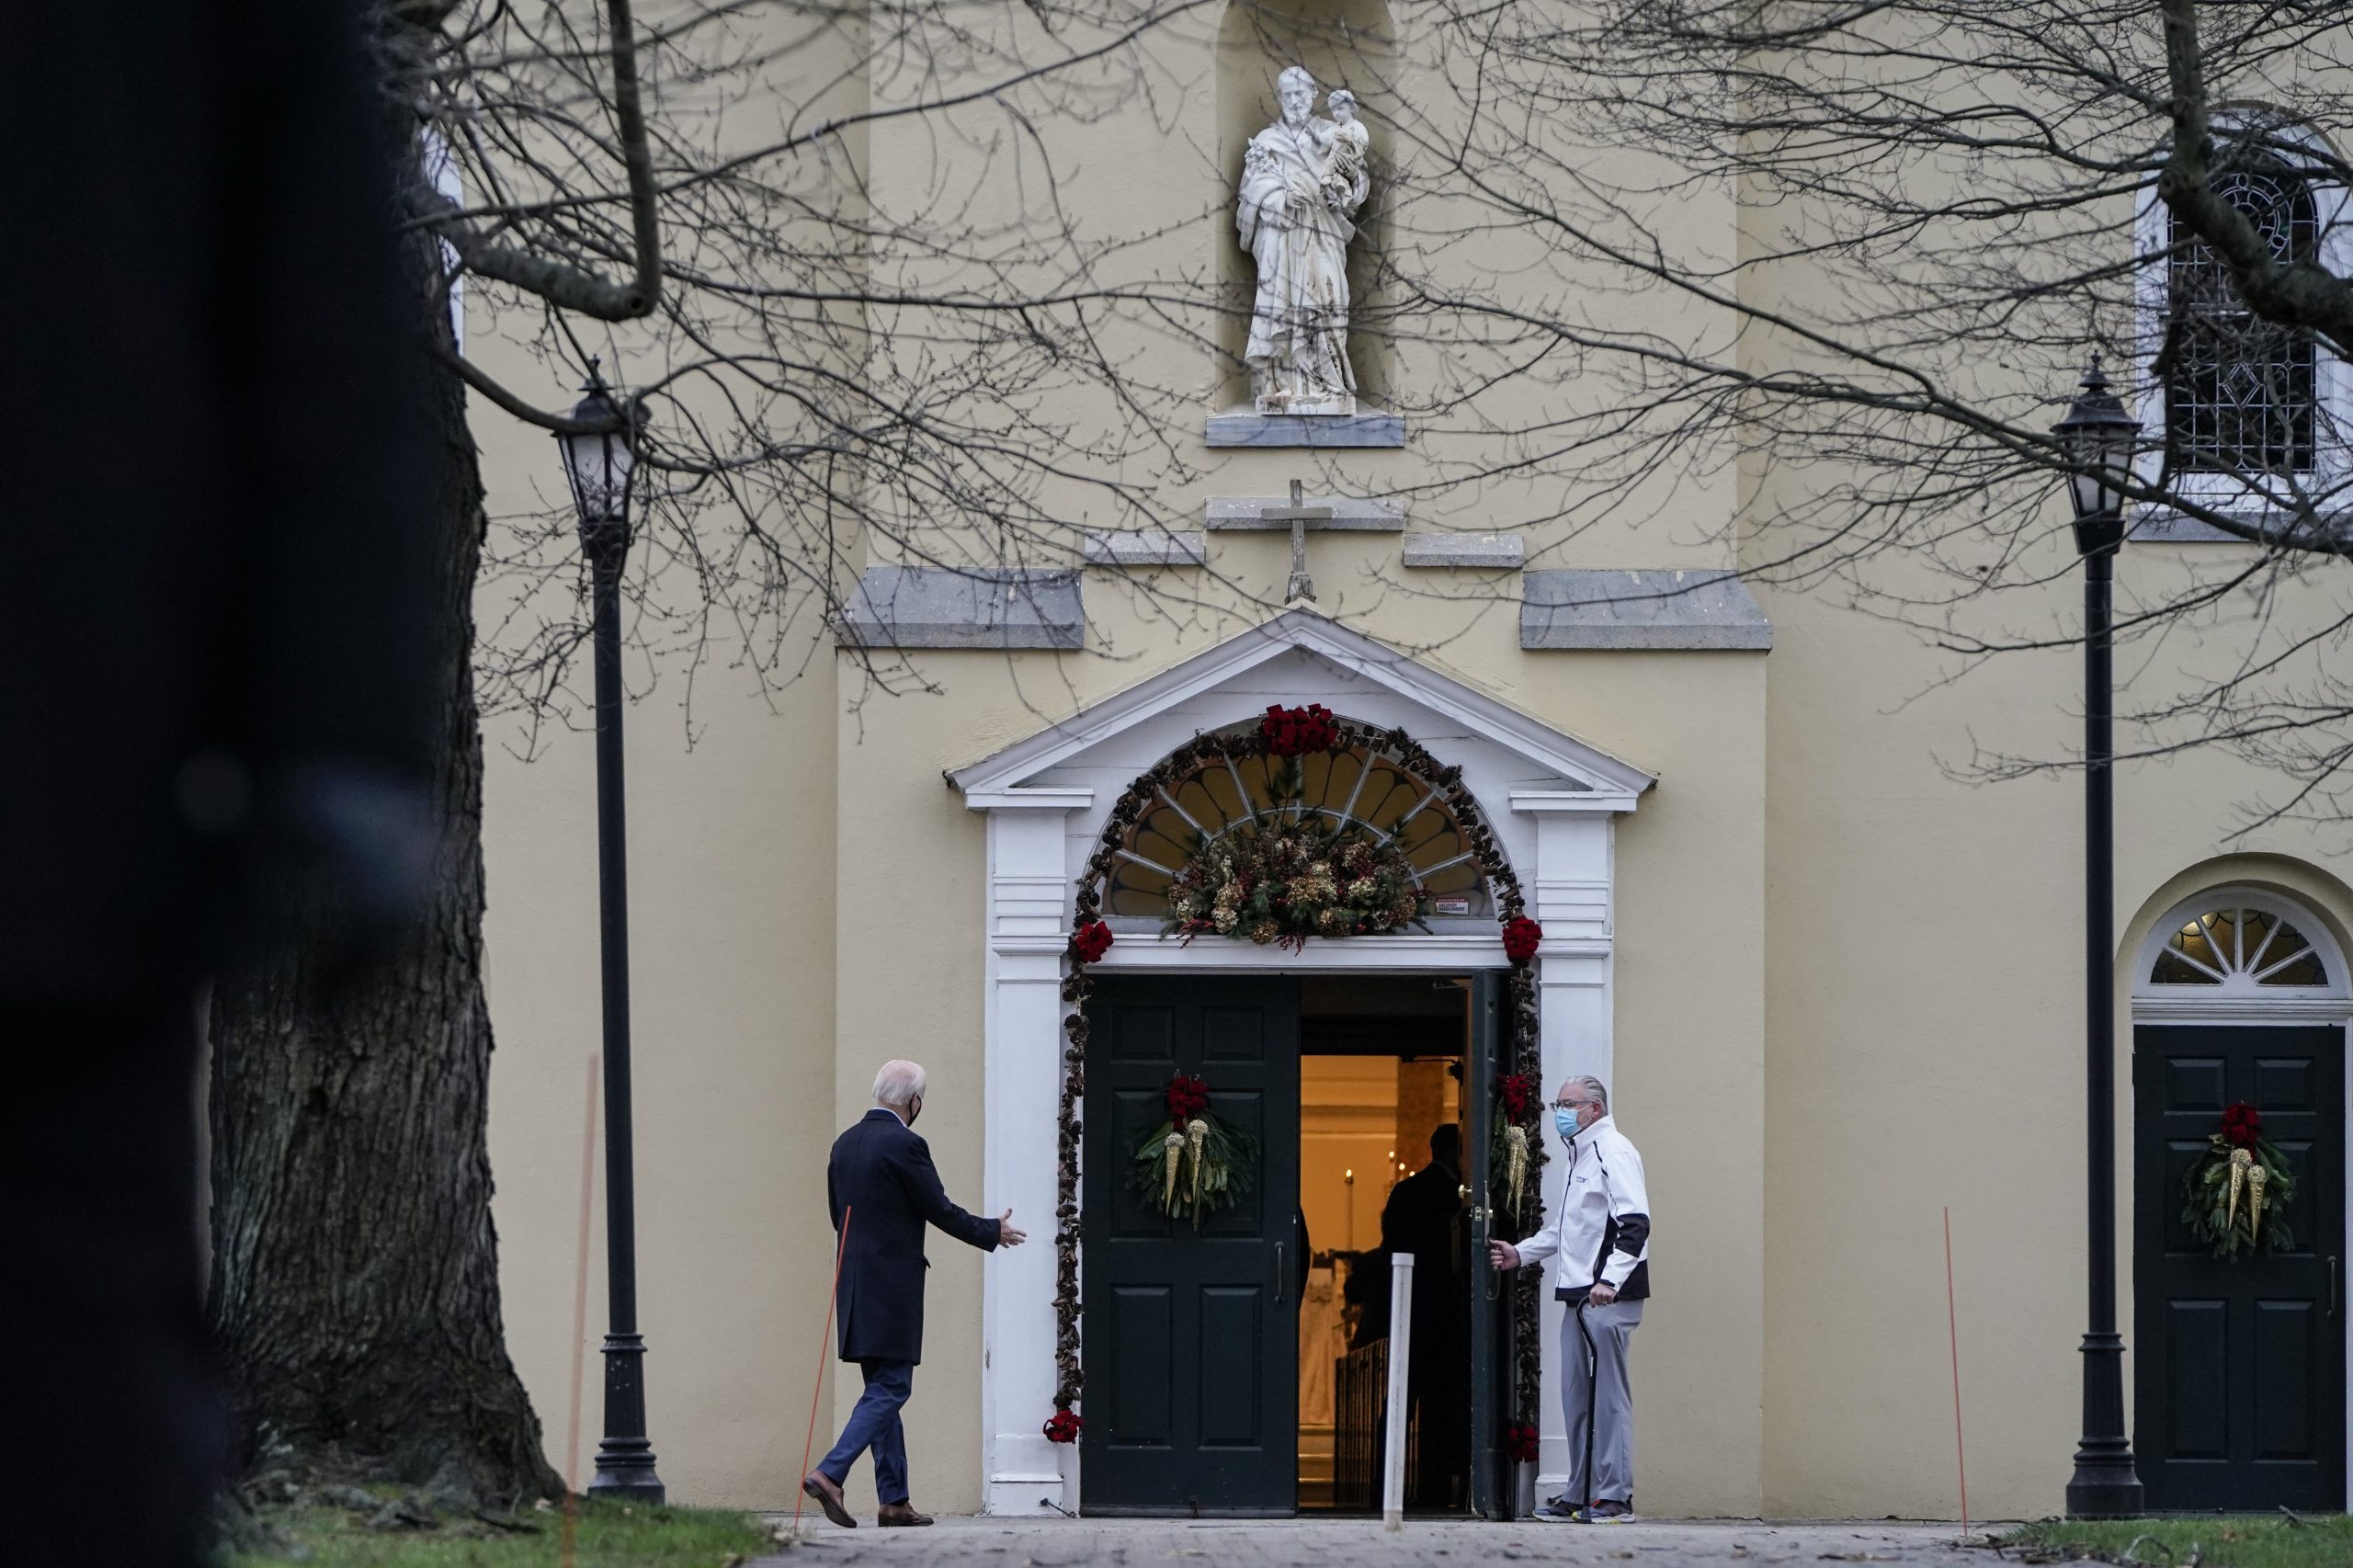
{"x":1295,"y":732}
{"x":1090,"y":942}
{"x":1519,"y":1442}
{"x":1520,"y":937}
{"x":1187,"y":1098}
{"x":2243,"y":1126}
{"x":1063,"y":1427}
{"x":1517,"y":1093}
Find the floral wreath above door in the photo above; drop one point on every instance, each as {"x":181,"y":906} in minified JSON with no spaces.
{"x":1300,"y":827}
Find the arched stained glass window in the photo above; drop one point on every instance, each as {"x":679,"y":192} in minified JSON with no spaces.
{"x":2237,"y":947}
{"x":2241,"y":394}
{"x":1348,"y":788}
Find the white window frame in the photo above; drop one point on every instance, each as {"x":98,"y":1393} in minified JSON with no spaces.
{"x":2333,"y":379}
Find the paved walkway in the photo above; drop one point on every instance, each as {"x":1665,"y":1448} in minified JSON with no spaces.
{"x":1435,"y":1543}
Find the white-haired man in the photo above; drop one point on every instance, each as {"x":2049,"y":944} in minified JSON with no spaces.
{"x":1600,"y":1235}
{"x":882,"y":1183}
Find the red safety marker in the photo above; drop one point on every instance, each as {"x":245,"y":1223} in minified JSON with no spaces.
{"x":1953,"y":1319}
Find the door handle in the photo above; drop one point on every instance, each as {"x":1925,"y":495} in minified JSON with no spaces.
{"x":2332,"y":1285}
{"x":1278,"y":1271}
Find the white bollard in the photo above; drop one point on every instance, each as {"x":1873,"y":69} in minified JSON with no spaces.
{"x":1400,"y":1351}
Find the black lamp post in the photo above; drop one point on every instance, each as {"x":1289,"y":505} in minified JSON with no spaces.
{"x":2100,"y":438}
{"x":599,"y":465}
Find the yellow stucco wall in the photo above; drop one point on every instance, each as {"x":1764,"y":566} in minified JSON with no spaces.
{"x":1848,"y":983}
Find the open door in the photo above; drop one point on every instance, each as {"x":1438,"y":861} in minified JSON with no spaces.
{"x":1489,"y":1289}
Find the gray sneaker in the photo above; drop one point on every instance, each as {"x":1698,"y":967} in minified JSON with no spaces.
{"x":1609,"y":1513}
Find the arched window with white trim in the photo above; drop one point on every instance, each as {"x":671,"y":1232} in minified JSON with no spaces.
{"x":2245,"y":413}
{"x":2241,"y":393}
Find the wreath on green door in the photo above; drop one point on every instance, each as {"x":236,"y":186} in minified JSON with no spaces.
{"x":1193,"y":1163}
{"x":2240,"y":1189}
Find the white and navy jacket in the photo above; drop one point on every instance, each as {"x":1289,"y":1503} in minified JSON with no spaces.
{"x":1601,"y":1227}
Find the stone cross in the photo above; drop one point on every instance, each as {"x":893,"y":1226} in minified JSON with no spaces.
{"x":1298,"y":515}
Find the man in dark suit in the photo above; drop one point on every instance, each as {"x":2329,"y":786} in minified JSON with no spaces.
{"x":884,"y":1190}
{"x":1423,"y":1217}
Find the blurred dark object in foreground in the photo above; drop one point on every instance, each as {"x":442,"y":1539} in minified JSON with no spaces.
{"x":211,"y":672}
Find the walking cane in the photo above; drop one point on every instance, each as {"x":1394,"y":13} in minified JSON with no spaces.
{"x":1592,"y":1403}
{"x":809,"y":1445}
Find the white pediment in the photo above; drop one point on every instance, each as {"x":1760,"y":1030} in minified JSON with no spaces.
{"x":1300,"y":656}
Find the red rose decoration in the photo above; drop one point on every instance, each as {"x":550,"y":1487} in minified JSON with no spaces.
{"x":1063,"y":1427}
{"x":2243,"y":1126}
{"x":1187,"y":1098}
{"x":1517,"y":1092}
{"x":1519,"y":1442}
{"x":1295,"y":732}
{"x":1090,"y":942}
{"x":1520,"y":937}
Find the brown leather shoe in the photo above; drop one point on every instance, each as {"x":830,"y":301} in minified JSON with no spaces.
{"x":820,"y":1485}
{"x":901,"y":1514}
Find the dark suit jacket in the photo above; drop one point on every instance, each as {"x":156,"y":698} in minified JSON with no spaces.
{"x":883,"y":1175}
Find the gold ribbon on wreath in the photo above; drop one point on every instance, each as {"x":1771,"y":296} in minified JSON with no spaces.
{"x":1515,"y":1167}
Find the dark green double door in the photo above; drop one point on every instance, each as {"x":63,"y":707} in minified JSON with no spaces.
{"x":1191,"y":1336}
{"x":2239,"y":1368}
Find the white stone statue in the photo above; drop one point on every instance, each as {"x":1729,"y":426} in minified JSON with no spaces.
{"x":1302,"y":180}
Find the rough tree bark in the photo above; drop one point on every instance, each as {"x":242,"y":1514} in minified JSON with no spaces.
{"x":354,"y":1266}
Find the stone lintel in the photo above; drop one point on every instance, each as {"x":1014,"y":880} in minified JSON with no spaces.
{"x":1243,"y":425}
{"x":1499,"y":552}
{"x":1654,"y":609}
{"x":1237,"y":514}
{"x":1147,"y":547}
{"x":981,"y":607}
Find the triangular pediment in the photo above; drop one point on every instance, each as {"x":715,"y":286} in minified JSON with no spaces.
{"x":1547,"y":758}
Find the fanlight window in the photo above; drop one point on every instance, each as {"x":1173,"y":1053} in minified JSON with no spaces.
{"x":2241,"y":393}
{"x":2237,"y":947}
{"x":1349,"y":787}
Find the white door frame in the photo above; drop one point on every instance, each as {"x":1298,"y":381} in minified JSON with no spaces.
{"x":1029,"y":919}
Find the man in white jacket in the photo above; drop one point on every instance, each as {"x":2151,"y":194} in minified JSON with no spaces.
{"x":1599,"y":1234}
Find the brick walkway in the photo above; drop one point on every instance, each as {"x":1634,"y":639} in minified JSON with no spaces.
{"x":1143,"y":1543}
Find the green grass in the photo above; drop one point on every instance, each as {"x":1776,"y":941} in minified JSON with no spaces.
{"x":2221,"y":1540}
{"x":610,"y":1536}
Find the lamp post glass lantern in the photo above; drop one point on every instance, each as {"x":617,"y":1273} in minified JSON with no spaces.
{"x":599,"y":464}
{"x":2100,"y":438}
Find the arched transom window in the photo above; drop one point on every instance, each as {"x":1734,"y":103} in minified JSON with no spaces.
{"x":1350,"y":788}
{"x":2237,"y":949}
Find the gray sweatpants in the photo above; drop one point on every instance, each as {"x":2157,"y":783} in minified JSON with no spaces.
{"x":1611,"y":1327}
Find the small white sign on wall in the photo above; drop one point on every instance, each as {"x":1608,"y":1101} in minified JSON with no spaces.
{"x":1449,"y":907}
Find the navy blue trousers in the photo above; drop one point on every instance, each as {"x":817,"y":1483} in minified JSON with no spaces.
{"x":874,"y":1423}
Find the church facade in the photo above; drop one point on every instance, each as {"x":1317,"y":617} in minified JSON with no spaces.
{"x":1834,"y":988}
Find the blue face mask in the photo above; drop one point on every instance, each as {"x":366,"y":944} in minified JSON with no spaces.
{"x":1565,"y":1123}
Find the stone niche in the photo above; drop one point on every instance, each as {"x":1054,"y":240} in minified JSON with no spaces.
{"x":1342,"y":43}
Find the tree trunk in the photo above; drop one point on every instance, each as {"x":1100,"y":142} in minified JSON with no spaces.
{"x":355,"y":1266}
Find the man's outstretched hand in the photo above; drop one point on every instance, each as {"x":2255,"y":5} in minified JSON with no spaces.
{"x":1006,"y":1236}
{"x":1503,"y":1255}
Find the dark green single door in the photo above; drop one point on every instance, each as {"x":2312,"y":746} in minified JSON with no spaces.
{"x":2239,"y":1367}
{"x":1191,"y":1336}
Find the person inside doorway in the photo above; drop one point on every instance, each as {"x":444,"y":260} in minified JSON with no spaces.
{"x":1423,"y":1217}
